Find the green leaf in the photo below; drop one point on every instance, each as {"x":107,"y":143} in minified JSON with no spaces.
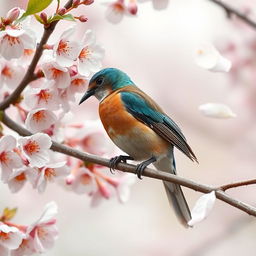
{"x":68,"y":17}
{"x":35,"y":6}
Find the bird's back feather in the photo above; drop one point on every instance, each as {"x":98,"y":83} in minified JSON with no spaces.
{"x":143,"y":108}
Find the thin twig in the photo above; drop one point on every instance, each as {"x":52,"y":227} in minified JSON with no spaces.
{"x":156,"y":174}
{"x":29,"y":76}
{"x":232,"y":11}
{"x":238,"y":184}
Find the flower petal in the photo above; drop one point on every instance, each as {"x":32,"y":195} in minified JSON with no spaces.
{"x":208,"y":57}
{"x":202,"y":208}
{"x":216,"y":110}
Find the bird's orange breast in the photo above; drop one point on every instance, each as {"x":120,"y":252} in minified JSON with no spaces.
{"x":128,"y":133}
{"x":116,"y":120}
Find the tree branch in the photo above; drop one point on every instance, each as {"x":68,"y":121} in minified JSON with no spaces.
{"x":232,"y":11}
{"x":156,"y":174}
{"x":29,"y":76}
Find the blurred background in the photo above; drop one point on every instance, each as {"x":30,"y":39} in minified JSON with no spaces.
{"x":156,"y":48}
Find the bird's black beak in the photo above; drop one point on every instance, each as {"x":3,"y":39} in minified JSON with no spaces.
{"x":87,"y":95}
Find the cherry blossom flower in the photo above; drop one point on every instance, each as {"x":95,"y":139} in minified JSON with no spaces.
{"x":202,"y":208}
{"x":40,"y":119}
{"x":19,"y":177}
{"x":44,"y":231}
{"x":216,"y":110}
{"x":44,"y":97}
{"x":208,"y":57}
{"x":10,"y":237}
{"x":11,"y":73}
{"x":49,"y":173}
{"x":13,"y":41}
{"x":116,"y":11}
{"x":78,"y":84}
{"x":35,"y":148}
{"x":8,"y":159}
{"x":81,"y":181}
{"x":92,"y":138}
{"x":66,"y":51}
{"x":89,"y":59}
{"x":53,"y":71}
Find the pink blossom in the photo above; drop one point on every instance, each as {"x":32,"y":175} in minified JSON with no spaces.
{"x":116,"y":11}
{"x":10,"y":237}
{"x":91,"y":55}
{"x":44,"y":231}
{"x":8,"y":159}
{"x":40,"y":119}
{"x":66,"y":51}
{"x":11,"y":73}
{"x":92,"y":138}
{"x":53,"y":71}
{"x":78,"y":84}
{"x":13,"y":41}
{"x":36,"y":148}
{"x":81,"y":181}
{"x":44,"y":97}
{"x":49,"y":173}
{"x":19,"y":177}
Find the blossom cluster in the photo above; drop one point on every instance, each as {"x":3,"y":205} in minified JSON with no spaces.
{"x":38,"y":237}
{"x":62,"y":72}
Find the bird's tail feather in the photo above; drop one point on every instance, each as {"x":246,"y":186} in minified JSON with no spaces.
{"x":174,"y":192}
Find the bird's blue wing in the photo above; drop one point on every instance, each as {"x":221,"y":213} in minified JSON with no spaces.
{"x":147,"y":111}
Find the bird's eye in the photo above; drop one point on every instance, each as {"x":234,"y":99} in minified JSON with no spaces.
{"x":99,"y":81}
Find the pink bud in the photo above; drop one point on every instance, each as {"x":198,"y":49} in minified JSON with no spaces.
{"x":132,"y":7}
{"x":43,"y":16}
{"x":62,"y":11}
{"x":88,"y":2}
{"x":83,"y":18}
{"x":70,"y":179}
{"x":75,"y":3}
{"x":13,"y":14}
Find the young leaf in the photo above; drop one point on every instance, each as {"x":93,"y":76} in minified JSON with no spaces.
{"x":8,"y":214}
{"x":35,"y":6}
{"x":68,"y":17}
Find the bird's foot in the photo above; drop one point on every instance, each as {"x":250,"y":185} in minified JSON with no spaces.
{"x":142,"y":166}
{"x":114,"y":161}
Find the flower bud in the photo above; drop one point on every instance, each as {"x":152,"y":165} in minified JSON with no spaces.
{"x":88,"y":2}
{"x":62,"y":11}
{"x":132,"y":7}
{"x":13,"y":14}
{"x":75,"y":3}
{"x":83,"y":18}
{"x":43,"y":16}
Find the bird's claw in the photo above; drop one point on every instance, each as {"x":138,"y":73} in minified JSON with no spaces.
{"x":139,"y":169}
{"x":142,"y":166}
{"x":114,"y":161}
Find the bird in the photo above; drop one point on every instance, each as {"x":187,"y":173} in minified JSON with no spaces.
{"x":140,"y":128}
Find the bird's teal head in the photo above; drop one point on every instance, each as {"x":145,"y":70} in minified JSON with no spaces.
{"x":105,"y":82}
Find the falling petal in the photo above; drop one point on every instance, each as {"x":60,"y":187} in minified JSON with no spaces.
{"x":216,"y":110}
{"x":202,"y":208}
{"x":209,"y":58}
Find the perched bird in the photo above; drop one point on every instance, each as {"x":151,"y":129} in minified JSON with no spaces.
{"x":139,"y":127}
